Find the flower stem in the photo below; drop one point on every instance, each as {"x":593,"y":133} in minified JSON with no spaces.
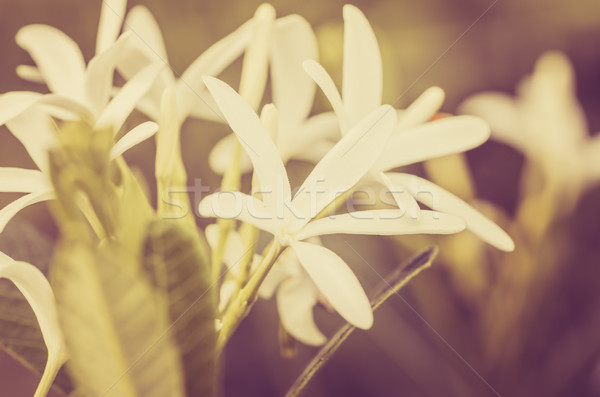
{"x":231,"y":182}
{"x":241,"y":303}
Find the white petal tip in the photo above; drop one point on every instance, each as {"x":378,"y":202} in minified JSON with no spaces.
{"x":350,"y":9}
{"x":436,"y":92}
{"x":365,"y":322}
{"x":506,"y":244}
{"x":265,"y":11}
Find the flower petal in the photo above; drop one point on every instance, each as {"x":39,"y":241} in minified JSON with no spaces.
{"x":21,"y":180}
{"x":109,"y":26}
{"x":35,"y":131}
{"x":98,"y":79}
{"x":236,"y":205}
{"x":319,"y":131}
{"x":121,"y":106}
{"x":234,"y":246}
{"x":404,"y":200}
{"x":14,"y":103}
{"x":326,"y":84}
{"x":36,"y":289}
{"x":8,"y":212}
{"x":346,"y":163}
{"x":147,"y":35}
{"x":434,"y":139}
{"x":255,"y":139}
{"x":383,"y":222}
{"x":30,"y":73}
{"x":363,"y":80}
{"x":57,"y":57}
{"x":500,"y":111}
{"x":145,"y":47}
{"x":296,"y":298}
{"x":441,"y":200}
{"x":336,"y":282}
{"x":422,"y":109}
{"x":256,"y":58}
{"x":133,"y":137}
{"x":293,"y":91}
{"x":191,"y":91}
{"x":285,"y":267}
{"x":220,"y":156}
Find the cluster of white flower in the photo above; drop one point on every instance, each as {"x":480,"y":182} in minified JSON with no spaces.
{"x":360,"y":143}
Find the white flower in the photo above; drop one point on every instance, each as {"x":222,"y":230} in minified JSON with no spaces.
{"x":35,"y":130}
{"x":36,"y":289}
{"x":298,"y":136}
{"x":415,"y":138}
{"x":546,"y":123}
{"x":289,"y":218}
{"x":296,"y":293}
{"x":77,"y":92}
{"x":147,"y":46}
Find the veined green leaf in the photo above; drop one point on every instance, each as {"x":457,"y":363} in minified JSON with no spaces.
{"x":390,"y":286}
{"x":174,"y":262}
{"x":20,"y":333}
{"x":115,"y":325}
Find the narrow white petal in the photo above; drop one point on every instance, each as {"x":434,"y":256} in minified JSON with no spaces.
{"x":98,"y":79}
{"x":336,"y":282}
{"x":36,"y":132}
{"x":146,"y":33}
{"x":422,"y":109}
{"x":326,"y":84}
{"x":279,"y":272}
{"x":121,"y":106}
{"x":221,"y":154}
{"x":255,"y":139}
{"x":404,"y":200}
{"x":295,"y":301}
{"x":146,"y":46}
{"x":21,"y":180}
{"x":133,"y":137}
{"x":236,"y":205}
{"x":30,"y":73}
{"x":109,"y":26}
{"x":57,"y":57}
{"x":191,"y":91}
{"x":14,"y":103}
{"x":234,"y":246}
{"x":36,"y":289}
{"x":321,"y":130}
{"x":383,"y":222}
{"x":256,"y":58}
{"x":434,"y":139}
{"x":363,"y":80}
{"x":314,"y":154}
{"x":346,"y":163}
{"x":293,"y":91}
{"x":500,"y":111}
{"x":8,"y":212}
{"x":441,"y":200}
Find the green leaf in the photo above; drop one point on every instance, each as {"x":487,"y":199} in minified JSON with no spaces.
{"x":20,"y":333}
{"x":175,"y":264}
{"x":115,"y":325}
{"x":390,"y":286}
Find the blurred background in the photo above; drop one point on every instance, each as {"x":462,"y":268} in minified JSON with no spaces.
{"x":479,"y":322}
